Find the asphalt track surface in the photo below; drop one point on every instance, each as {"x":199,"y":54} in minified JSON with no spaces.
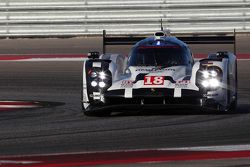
{"x":64,"y":129}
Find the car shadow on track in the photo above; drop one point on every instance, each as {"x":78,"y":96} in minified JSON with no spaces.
{"x":241,"y":109}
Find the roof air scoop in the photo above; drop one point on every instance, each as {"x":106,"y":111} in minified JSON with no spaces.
{"x":163,"y":33}
{"x":159,"y":34}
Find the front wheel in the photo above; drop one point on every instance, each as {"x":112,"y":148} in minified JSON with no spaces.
{"x":233,"y":106}
{"x":234,"y":103}
{"x":99,"y":113}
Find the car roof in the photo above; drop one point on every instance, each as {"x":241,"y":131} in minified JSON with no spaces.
{"x":165,"y":41}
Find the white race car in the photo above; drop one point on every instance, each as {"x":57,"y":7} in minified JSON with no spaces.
{"x":159,"y":72}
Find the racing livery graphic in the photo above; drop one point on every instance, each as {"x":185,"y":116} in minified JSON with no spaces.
{"x":159,"y":72}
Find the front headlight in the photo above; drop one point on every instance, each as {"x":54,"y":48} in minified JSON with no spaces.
{"x":94,"y":83}
{"x":205,"y":74}
{"x":209,"y":77}
{"x":93,"y":74}
{"x":214,"y":83}
{"x":205,"y":83}
{"x":102,"y":84}
{"x":102,"y":75}
{"x":214,"y":73}
{"x":99,"y":79}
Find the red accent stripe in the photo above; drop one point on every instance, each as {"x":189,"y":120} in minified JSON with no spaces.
{"x":109,"y":158}
{"x":17,"y":103}
{"x":153,"y":47}
{"x":5,"y":105}
{"x":200,"y":56}
{"x":243,"y":56}
{"x":23,"y":57}
{"x":20,"y":57}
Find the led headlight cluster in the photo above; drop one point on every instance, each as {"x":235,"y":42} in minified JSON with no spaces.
{"x":98,"y":78}
{"x":210,"y":83}
{"x":210,"y":78}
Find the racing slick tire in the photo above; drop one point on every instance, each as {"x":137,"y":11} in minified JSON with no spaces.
{"x":232,"y":107}
{"x":97,"y":113}
{"x":100,"y":113}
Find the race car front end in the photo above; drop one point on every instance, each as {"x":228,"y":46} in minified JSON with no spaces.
{"x":160,"y":72}
{"x":146,"y":87}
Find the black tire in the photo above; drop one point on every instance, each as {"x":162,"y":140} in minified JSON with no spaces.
{"x":222,"y":109}
{"x":226,"y":109}
{"x":97,"y":113}
{"x":88,"y":113}
{"x":233,"y":106}
{"x":100,"y":113}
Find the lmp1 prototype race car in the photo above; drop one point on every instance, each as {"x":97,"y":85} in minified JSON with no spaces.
{"x":159,"y":72}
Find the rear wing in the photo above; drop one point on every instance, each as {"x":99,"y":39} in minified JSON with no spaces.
{"x":204,"y":39}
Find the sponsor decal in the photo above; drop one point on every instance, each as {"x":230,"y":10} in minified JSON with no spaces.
{"x":154,"y":69}
{"x":153,"y":80}
{"x":127,"y":84}
{"x":182,"y":84}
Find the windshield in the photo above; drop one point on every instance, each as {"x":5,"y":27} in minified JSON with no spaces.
{"x":157,"y":56}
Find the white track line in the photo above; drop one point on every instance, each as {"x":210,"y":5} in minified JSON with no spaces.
{"x":245,"y":147}
{"x":4,"y":162}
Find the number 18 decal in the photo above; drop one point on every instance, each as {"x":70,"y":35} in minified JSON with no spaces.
{"x":153,"y":80}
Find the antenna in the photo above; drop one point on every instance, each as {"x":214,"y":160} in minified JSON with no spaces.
{"x":161,"y":25}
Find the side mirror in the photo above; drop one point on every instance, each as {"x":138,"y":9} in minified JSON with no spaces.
{"x":93,"y":55}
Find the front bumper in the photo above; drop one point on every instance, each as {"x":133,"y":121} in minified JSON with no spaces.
{"x":153,"y":93}
{"x":153,"y":98}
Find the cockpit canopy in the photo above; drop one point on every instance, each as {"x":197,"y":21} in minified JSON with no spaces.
{"x":166,"y":56}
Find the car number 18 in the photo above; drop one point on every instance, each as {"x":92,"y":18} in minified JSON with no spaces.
{"x":153,"y":80}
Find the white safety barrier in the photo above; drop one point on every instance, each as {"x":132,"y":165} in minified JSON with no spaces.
{"x":31,"y":18}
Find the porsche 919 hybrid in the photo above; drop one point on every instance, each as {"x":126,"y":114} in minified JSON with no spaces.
{"x":159,"y":72}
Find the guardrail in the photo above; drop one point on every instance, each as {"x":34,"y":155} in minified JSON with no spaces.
{"x":89,"y":17}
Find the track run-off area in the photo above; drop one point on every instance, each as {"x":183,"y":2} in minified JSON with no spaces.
{"x":58,"y":134}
